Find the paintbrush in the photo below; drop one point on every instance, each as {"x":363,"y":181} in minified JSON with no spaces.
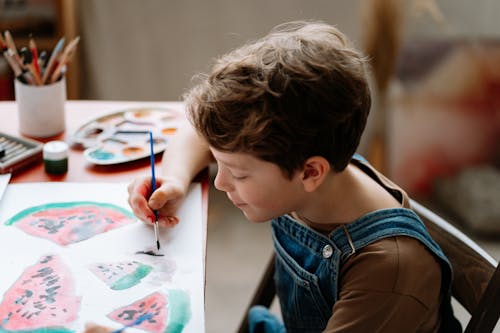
{"x":153,"y":186}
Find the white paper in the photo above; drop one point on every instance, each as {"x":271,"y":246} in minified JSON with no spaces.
{"x":4,"y":180}
{"x":180,"y":268}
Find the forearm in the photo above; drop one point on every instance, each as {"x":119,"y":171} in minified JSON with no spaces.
{"x":186,"y":155}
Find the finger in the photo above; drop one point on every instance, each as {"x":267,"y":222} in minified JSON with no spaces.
{"x":94,"y":328}
{"x":168,"y":221}
{"x":169,"y":209}
{"x":163,"y":195}
{"x":173,"y":220}
{"x":141,"y":186}
{"x":140,"y":208}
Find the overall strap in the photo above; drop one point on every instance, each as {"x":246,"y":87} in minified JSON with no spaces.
{"x":398,"y":222}
{"x":383,"y":224}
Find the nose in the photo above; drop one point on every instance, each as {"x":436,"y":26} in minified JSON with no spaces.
{"x":221,"y":181}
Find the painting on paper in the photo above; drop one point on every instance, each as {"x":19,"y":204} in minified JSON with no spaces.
{"x":168,"y":313}
{"x":75,"y":260}
{"x":70,"y":222}
{"x":42,"y":298}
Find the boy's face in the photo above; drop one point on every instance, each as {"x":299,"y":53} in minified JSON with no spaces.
{"x":257,"y":187}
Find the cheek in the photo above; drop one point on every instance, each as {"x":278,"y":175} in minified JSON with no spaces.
{"x":262,"y":207}
{"x":260,"y":196}
{"x":247,"y":194}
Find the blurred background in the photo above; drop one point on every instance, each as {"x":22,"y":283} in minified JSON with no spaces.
{"x":434,"y":127}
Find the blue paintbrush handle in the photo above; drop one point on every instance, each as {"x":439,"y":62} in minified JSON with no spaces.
{"x":152,"y":160}
{"x":153,"y":186}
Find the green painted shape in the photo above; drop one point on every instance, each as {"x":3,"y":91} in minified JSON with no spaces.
{"x":180,"y":310}
{"x":132,"y":279}
{"x":40,"y":330}
{"x":28,"y":211}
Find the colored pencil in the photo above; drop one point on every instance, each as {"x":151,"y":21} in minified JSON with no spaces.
{"x":27,"y":62}
{"x":3,"y":45}
{"x":34,"y":55}
{"x":9,"y":41}
{"x":65,"y":57}
{"x":36,"y":68}
{"x":53,"y":59}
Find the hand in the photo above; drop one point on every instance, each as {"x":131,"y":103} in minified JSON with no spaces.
{"x":94,"y":328}
{"x":166,"y":199}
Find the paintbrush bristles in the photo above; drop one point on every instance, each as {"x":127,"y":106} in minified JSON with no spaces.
{"x":157,"y":235}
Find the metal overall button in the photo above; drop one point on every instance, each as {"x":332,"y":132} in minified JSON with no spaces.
{"x":327,"y":251}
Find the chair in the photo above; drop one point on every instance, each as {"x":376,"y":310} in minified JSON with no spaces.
{"x":476,"y":284}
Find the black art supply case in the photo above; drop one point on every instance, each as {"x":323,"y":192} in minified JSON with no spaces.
{"x":17,"y":153}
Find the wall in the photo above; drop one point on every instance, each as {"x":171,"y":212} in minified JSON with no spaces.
{"x":150,"y":49}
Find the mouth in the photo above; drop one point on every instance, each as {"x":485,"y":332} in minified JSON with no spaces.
{"x":239,"y":205}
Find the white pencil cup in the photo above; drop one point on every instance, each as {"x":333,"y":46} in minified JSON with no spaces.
{"x":41,"y":108}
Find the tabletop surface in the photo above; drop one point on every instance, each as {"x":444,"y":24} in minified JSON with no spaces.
{"x":79,"y":170}
{"x":78,"y":113}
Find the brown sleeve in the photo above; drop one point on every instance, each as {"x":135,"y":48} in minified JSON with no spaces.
{"x":392,"y":285}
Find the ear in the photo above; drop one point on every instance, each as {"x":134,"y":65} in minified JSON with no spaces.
{"x":315,"y":170}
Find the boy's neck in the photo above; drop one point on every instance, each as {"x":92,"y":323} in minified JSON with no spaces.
{"x":342,"y":198}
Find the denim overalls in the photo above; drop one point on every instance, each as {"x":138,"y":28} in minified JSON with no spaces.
{"x":307,"y":267}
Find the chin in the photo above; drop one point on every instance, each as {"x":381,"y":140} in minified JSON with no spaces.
{"x":257,"y":219}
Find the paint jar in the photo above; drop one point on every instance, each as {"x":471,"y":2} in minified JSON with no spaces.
{"x":55,"y":157}
{"x":41,"y":108}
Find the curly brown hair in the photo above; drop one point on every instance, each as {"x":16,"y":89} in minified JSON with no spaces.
{"x":298,"y":92}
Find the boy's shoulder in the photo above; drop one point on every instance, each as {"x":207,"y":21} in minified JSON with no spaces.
{"x":395,"y":265}
{"x":390,"y":285}
{"x":395,"y":190}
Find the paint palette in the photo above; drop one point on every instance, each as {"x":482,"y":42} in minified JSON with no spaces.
{"x":16,"y":153}
{"x":124,"y":136}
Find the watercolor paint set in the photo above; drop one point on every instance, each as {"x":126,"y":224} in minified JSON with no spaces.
{"x":16,"y":153}
{"x":123,"y":136}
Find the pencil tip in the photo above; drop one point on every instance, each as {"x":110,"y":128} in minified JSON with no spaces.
{"x":158,"y":245}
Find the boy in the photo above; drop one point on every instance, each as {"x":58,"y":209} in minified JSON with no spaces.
{"x":283,"y":117}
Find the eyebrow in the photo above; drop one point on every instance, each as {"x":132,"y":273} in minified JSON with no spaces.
{"x":229,"y":164}
{"x":232,"y":165}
